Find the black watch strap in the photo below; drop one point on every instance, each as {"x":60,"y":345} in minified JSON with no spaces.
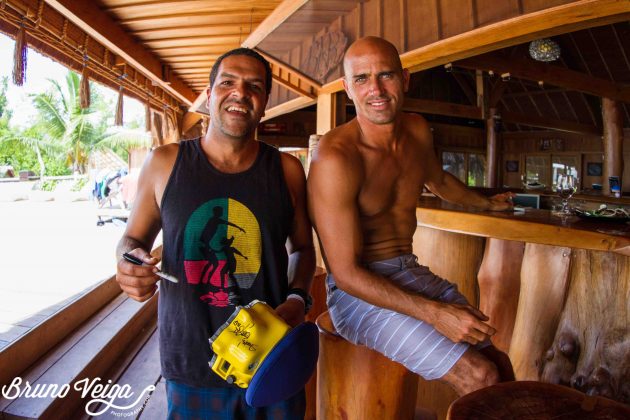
{"x":308,"y":300}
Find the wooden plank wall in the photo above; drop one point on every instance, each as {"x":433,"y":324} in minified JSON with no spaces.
{"x":411,"y":24}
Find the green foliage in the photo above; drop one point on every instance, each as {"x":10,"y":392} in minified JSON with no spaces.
{"x":62,"y":120}
{"x":63,"y":134}
{"x":25,"y":159}
{"x":49,"y":185}
{"x":78,"y":186}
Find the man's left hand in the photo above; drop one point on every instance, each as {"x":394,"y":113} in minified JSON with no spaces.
{"x":501,"y":202}
{"x":292,"y":311}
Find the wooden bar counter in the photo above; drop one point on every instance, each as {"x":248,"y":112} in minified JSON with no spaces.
{"x":557,"y":290}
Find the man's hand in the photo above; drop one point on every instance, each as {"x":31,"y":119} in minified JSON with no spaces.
{"x":462,"y":323}
{"x":501,"y":202}
{"x":292,"y":311}
{"x":138,"y":281}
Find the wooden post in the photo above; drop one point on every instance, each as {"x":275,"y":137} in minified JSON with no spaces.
{"x":613,"y":141}
{"x":592,"y":343}
{"x":331,"y":111}
{"x":499,"y":281}
{"x":544,"y":275}
{"x":455,"y":257}
{"x":492,"y":154}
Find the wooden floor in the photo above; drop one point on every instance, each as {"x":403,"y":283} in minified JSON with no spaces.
{"x":139,"y":370}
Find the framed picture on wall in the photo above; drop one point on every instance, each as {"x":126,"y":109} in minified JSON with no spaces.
{"x":511,"y":166}
{"x":594,"y":168}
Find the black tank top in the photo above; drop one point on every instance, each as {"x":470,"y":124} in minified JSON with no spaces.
{"x":224,"y":239}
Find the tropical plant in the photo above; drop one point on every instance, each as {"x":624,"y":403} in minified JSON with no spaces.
{"x":124,"y":138}
{"x":63,"y":121}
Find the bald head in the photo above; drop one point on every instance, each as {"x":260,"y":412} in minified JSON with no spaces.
{"x":371,"y":45}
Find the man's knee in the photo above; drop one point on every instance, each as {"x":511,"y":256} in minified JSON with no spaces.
{"x":485,"y":374}
{"x":472,"y":372}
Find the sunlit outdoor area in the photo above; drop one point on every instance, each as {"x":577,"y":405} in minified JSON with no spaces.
{"x":65,"y":188}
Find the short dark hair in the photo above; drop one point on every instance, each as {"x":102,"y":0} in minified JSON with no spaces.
{"x":248,"y":52}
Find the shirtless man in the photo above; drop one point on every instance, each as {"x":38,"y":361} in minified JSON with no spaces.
{"x":363,"y":184}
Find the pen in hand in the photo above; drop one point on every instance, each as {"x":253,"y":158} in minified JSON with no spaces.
{"x":138,"y":261}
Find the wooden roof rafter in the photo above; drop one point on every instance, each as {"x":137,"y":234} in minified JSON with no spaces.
{"x":509,"y":32}
{"x":549,"y":73}
{"x":292,"y":78}
{"x":92,"y":20}
{"x":58,"y":38}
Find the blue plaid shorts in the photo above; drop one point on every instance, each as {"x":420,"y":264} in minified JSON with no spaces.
{"x":191,"y":403}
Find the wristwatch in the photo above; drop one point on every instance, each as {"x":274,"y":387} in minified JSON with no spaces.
{"x":303,"y":296}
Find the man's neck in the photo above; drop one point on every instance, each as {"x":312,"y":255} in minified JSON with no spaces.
{"x":382,"y":136}
{"x":230,"y":155}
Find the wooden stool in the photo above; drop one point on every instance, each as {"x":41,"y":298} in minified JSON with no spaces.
{"x":354,"y":382}
{"x":534,"y":400}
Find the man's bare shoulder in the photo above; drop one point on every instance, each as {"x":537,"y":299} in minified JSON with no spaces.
{"x":162,"y":158}
{"x":340,"y":143}
{"x":418,"y":128}
{"x":291,"y":166}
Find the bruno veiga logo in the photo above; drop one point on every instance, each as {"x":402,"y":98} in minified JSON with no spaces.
{"x":103,"y":396}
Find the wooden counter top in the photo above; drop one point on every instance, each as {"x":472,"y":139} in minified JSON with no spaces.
{"x":536,"y":226}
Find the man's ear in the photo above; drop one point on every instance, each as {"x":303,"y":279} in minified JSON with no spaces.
{"x":345,"y":87}
{"x":406,"y":77}
{"x":208,"y":90}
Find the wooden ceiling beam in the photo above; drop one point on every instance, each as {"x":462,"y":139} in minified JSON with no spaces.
{"x":91,"y":19}
{"x":553,"y":21}
{"x":288,"y":107}
{"x":306,"y":86}
{"x":463,"y":83}
{"x":241,"y":15}
{"x":281,"y":13}
{"x":216,"y":29}
{"x":497,"y":93}
{"x":549,"y":123}
{"x":426,"y":106}
{"x":551,"y":74}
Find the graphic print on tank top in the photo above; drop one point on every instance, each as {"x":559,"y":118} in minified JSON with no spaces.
{"x":222,"y":248}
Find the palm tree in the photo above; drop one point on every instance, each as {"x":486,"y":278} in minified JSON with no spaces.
{"x":127,"y":138}
{"x":32,"y":139}
{"x":62,"y":120}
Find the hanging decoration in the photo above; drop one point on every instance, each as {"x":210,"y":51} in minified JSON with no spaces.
{"x":84,"y":87}
{"x":175,"y":125}
{"x":118,"y":118}
{"x":157,"y":124}
{"x":544,"y":49}
{"x":147,"y":116}
{"x":19,"y":57}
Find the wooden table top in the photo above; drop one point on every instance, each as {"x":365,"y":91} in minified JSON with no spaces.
{"x":536,"y":226}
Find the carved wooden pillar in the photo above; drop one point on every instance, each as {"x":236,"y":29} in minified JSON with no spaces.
{"x":543,"y":287}
{"x":613,"y":141}
{"x":455,"y":257}
{"x":492,"y":150}
{"x":591,"y":348}
{"x":499,"y":287}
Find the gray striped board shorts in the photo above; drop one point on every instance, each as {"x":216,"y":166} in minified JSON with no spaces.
{"x":413,"y":343}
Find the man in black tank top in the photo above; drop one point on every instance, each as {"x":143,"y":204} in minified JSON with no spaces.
{"x":227,"y":206}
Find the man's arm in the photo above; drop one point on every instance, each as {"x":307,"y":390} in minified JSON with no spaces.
{"x":139,"y":282}
{"x":333,"y":188}
{"x":300,"y":242}
{"x":449,"y":188}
